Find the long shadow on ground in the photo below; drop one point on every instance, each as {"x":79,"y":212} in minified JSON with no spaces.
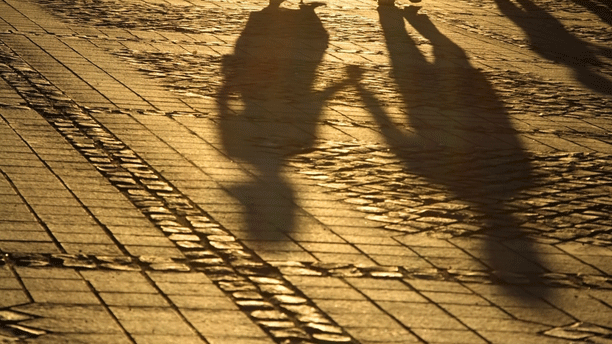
{"x":549,"y":38}
{"x":271,"y":73}
{"x":601,"y":8}
{"x":472,"y":149}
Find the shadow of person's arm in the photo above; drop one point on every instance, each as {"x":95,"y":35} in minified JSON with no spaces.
{"x":329,"y":92}
{"x":223,"y":95}
{"x":508,"y":8}
{"x":389,"y":130}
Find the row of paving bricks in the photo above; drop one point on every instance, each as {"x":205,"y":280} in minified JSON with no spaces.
{"x":121,"y":214}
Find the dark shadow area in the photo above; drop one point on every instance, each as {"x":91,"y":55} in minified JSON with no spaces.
{"x":271,"y":73}
{"x":461,"y":140}
{"x":549,"y":38}
{"x":601,"y":8}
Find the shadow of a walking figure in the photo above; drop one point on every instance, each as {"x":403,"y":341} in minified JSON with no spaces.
{"x":272,"y":72}
{"x":549,"y":38}
{"x":601,"y":8}
{"x":471,"y":148}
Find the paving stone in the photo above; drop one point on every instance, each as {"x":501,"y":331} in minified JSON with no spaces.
{"x":13,"y":297}
{"x":448,"y":336}
{"x":503,"y":325}
{"x":202,"y":302}
{"x":39,"y":284}
{"x":393,"y":295}
{"x":152,"y":325}
{"x":34,"y":247}
{"x":550,"y":316}
{"x":24,"y":236}
{"x":63,"y":311}
{"x":236,"y":339}
{"x":133,"y":300}
{"x":101,"y":325}
{"x":461,"y":311}
{"x":9,"y":283}
{"x":161,"y":338}
{"x":347,"y":320}
{"x":332,"y":293}
{"x":455,"y":298}
{"x":502,"y":337}
{"x":101,"y":338}
{"x":10,"y":316}
{"x":460,"y":207}
{"x":92,"y":249}
{"x":50,"y":273}
{"x":159,"y":251}
{"x":348,"y":306}
{"x":387,"y":335}
{"x":222,"y":323}
{"x":190,"y":289}
{"x":64,"y":297}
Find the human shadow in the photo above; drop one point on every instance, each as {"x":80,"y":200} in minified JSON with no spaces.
{"x":462,"y":140}
{"x":551,"y":40}
{"x":272,"y":72}
{"x":601,"y":8}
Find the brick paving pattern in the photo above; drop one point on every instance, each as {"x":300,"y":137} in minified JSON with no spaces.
{"x":187,"y":171}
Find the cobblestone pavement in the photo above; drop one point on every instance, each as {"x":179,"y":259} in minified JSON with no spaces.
{"x":188,"y":171}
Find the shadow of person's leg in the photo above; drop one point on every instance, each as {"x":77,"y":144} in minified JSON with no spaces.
{"x":483,"y":182}
{"x":269,"y":208}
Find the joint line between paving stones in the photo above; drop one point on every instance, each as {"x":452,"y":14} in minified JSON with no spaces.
{"x":609,"y":305}
{"x":38,"y":219}
{"x":580,"y":259}
{"x":106,"y":73}
{"x":327,"y":227}
{"x":446,"y":311}
{"x":25,"y":16}
{"x":243,"y":169}
{"x":423,"y":296}
{"x":106,"y":230}
{"x":85,"y":208}
{"x":246,"y":170}
{"x":250,"y":173}
{"x":23,"y":287}
{"x":407,"y":328}
{"x":206,"y":214}
{"x":539,"y":298}
{"x":106,"y":308}
{"x":79,"y":76}
{"x":173,"y":306}
{"x":232,"y":269}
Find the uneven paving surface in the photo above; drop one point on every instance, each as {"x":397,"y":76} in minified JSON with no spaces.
{"x":186,"y":171}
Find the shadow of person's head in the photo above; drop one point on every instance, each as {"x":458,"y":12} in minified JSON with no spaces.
{"x":271,"y":76}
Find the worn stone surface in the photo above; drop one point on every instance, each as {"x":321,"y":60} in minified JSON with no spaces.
{"x":211,"y":172}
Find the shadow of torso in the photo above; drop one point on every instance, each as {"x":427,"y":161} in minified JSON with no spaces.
{"x":272,"y":73}
{"x":462,"y":139}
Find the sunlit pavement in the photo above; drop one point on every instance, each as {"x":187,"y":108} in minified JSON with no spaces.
{"x":187,"y":171}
